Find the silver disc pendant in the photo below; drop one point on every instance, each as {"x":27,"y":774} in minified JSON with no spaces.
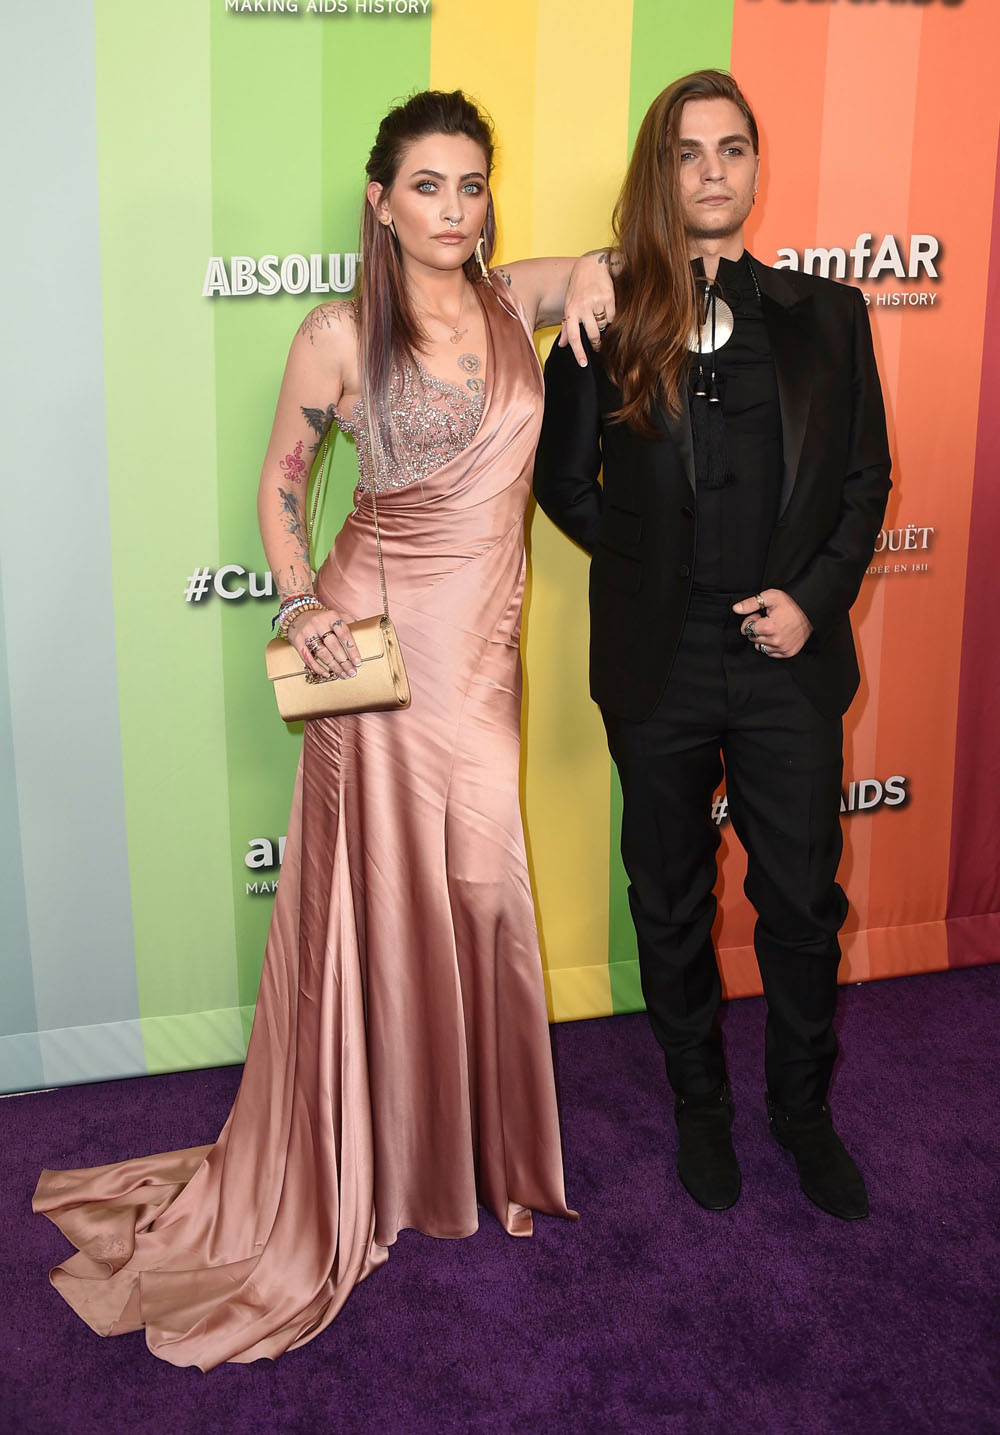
{"x":724,"y":325}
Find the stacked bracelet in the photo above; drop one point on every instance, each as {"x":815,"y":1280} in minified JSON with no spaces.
{"x":293,"y":608}
{"x":282,"y":606}
{"x":286,"y":603}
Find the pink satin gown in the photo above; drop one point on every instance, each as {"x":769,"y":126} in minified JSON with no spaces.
{"x":399,"y":1070}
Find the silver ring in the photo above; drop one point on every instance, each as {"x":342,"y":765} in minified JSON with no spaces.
{"x":452,"y":222}
{"x":750,"y":631}
{"x":765,"y":650}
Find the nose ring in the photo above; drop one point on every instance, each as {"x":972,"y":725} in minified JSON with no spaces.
{"x":453,"y":222}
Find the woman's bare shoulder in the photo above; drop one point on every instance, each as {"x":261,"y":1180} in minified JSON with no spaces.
{"x":333,"y":325}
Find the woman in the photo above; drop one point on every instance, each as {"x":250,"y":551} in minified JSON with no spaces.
{"x":399,"y":1066}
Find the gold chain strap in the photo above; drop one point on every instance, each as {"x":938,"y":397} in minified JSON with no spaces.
{"x":324,"y":470}
{"x":378,"y":535}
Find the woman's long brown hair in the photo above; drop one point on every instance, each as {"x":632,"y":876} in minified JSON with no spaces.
{"x":388,"y":328}
{"x":646,"y":348}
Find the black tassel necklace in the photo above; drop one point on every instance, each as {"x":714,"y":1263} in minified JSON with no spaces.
{"x":716,"y":323}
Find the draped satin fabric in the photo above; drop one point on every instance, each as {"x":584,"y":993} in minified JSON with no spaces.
{"x":399,"y":1068}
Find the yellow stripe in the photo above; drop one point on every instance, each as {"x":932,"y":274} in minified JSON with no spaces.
{"x":554,"y":74}
{"x":580,"y":152}
{"x":490,"y":54}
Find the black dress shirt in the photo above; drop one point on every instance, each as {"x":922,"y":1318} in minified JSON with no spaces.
{"x":735,"y":523}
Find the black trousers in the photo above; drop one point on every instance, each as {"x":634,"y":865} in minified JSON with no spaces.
{"x":728,"y":707}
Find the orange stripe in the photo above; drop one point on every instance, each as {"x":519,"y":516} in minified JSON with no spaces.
{"x":866,"y":99}
{"x":788,"y":104}
{"x":936,"y":417}
{"x":866,"y":110}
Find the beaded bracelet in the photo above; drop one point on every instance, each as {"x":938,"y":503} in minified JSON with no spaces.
{"x":287,"y":603}
{"x":295,"y":601}
{"x":295,"y":610}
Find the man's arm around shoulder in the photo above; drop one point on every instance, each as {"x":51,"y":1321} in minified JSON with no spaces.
{"x":569,"y":448}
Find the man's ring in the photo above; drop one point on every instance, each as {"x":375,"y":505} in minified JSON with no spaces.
{"x":750,"y":631}
{"x":761,"y":605}
{"x":765,"y":650}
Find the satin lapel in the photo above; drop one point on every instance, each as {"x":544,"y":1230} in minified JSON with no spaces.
{"x":790,"y":329}
{"x":678,"y":430}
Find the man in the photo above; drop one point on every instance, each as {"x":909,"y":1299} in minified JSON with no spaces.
{"x":737,"y":412}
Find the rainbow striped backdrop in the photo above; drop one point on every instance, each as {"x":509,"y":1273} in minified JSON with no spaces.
{"x":139,"y":754}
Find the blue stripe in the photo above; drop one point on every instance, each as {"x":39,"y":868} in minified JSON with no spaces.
{"x":54,"y":530}
{"x":20,"y":1065}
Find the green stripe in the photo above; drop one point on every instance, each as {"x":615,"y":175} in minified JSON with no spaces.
{"x":295,"y":107}
{"x":154,"y":111}
{"x":622,"y":950}
{"x":670,"y":38}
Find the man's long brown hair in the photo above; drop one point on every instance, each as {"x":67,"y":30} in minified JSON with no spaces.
{"x":646,"y":348}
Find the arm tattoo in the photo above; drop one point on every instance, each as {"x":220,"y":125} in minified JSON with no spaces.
{"x":294,"y":466}
{"x":505,"y":276}
{"x":319,"y":420}
{"x":292,"y":515}
{"x":294,"y":580}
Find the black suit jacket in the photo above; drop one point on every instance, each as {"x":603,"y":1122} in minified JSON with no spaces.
{"x":640,"y":527}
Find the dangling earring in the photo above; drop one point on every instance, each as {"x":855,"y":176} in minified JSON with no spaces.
{"x":481,"y":256}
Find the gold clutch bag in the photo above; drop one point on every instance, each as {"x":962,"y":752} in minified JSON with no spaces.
{"x":380,"y":685}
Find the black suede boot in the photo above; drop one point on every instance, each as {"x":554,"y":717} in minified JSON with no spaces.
{"x":706,"y":1161}
{"x":827,"y":1174}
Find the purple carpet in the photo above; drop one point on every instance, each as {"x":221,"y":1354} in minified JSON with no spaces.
{"x":647,"y":1315}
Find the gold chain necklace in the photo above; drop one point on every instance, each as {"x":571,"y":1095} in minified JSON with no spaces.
{"x":457,"y":334}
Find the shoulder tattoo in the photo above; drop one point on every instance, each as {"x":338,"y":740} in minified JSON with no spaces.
{"x":324,"y":316}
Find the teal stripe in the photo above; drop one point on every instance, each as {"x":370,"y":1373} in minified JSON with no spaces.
{"x":20,"y":1055}
{"x":55,"y":529}
{"x":670,"y":38}
{"x":17,"y":1011}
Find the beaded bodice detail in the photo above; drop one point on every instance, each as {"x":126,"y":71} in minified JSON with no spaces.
{"x":433,"y":420}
